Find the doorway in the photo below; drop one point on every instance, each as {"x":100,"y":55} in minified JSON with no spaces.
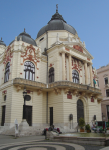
{"x":51,"y":116}
{"x":80,"y":110}
{"x":3,"y":115}
{"x":28,"y":111}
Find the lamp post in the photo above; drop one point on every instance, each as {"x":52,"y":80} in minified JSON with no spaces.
{"x":24,"y":94}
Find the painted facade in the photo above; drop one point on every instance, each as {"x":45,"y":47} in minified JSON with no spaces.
{"x":57,"y":73}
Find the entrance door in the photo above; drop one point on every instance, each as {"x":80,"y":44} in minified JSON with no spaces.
{"x":80,"y":110}
{"x":3,"y":115}
{"x":28,"y":110}
{"x":51,"y":116}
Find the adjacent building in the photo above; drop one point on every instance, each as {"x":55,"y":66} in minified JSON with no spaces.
{"x":103,"y":77}
{"x":56,"y":71}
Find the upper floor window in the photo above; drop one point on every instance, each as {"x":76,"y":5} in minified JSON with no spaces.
{"x":7,"y":71}
{"x":106,"y":80}
{"x":75,"y":76}
{"x":107,"y":93}
{"x":51,"y":75}
{"x":29,"y":69}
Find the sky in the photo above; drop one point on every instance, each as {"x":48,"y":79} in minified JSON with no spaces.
{"x":90,"y":18}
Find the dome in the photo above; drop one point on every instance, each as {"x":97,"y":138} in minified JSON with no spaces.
{"x":25,"y":37}
{"x":56,"y":23}
{"x":2,"y":43}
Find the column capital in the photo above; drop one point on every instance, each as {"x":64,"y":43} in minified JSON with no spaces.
{"x":90,"y":63}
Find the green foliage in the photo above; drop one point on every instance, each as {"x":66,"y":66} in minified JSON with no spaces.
{"x":87,"y":127}
{"x":81,"y":123}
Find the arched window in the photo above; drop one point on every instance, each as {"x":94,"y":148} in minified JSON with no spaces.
{"x":7,"y":71}
{"x":80,"y":110}
{"x":29,"y":69}
{"x":75,"y":76}
{"x":51,"y":75}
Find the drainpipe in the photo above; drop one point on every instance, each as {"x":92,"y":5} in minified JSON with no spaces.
{"x":47,"y":80}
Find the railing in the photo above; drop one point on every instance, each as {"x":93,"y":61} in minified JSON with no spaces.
{"x":22,"y":81}
{"x":73,"y":85}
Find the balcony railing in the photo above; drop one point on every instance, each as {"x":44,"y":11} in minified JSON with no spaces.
{"x":24,"y":82}
{"x":58,"y":84}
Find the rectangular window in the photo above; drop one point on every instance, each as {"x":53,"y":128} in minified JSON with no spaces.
{"x":107,"y":93}
{"x":106,"y":80}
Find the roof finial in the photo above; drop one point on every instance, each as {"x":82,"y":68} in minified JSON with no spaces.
{"x":24,"y":29}
{"x":1,"y":38}
{"x":57,"y":8}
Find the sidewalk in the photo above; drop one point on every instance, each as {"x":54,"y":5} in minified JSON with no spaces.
{"x":4,"y":139}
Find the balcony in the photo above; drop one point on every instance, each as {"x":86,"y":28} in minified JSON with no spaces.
{"x":28,"y":83}
{"x":57,"y":86}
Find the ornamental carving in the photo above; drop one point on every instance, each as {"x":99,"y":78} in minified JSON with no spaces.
{"x":78,"y":48}
{"x":30,"y":54}
{"x":7,"y":55}
{"x":76,"y":64}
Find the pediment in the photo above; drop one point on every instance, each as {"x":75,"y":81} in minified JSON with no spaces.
{"x":83,"y":50}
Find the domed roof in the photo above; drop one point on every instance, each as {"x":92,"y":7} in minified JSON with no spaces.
{"x":56,"y":23}
{"x":2,"y":43}
{"x":26,"y":38}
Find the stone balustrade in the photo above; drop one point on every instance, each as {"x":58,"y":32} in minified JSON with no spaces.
{"x":24,"y":82}
{"x":59,"y":84}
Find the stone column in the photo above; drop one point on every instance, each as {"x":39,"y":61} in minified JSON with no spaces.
{"x":91,"y":77}
{"x":70,"y":68}
{"x":63,"y":65}
{"x":86,"y":77}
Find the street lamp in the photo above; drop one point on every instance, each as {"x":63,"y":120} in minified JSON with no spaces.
{"x":24,"y":94}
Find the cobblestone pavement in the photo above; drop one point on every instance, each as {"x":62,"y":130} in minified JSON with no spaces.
{"x":32,"y":143}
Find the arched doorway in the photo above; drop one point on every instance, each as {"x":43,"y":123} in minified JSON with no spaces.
{"x":80,"y":110}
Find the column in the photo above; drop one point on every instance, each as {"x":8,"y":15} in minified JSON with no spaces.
{"x":86,"y":78}
{"x":70,"y":68}
{"x":91,"y":78}
{"x":63,"y":65}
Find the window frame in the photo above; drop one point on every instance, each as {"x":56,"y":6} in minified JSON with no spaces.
{"x":5,"y":97}
{"x":105,"y":80}
{"x":76,"y":78}
{"x":51,"y":75}
{"x":29,"y":71}
{"x":7,"y":72}
{"x":107,"y":95}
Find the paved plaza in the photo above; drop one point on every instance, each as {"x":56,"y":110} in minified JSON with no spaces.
{"x":39,"y":143}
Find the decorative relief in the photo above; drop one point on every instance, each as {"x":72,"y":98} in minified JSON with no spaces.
{"x":78,"y":48}
{"x":88,"y":59}
{"x":92,"y":99}
{"x":4,"y":92}
{"x":7,"y":55}
{"x":51,"y":65}
{"x":66,"y":49}
{"x":39,"y":91}
{"x":57,"y":91}
{"x":69,"y":95}
{"x":18,"y":88}
{"x":30,"y":54}
{"x":66,"y":90}
{"x":77,"y":64}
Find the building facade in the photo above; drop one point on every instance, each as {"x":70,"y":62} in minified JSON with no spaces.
{"x":103,"y":77}
{"x":56,"y":71}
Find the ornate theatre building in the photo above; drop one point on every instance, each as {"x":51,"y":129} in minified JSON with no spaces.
{"x":56,"y":71}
